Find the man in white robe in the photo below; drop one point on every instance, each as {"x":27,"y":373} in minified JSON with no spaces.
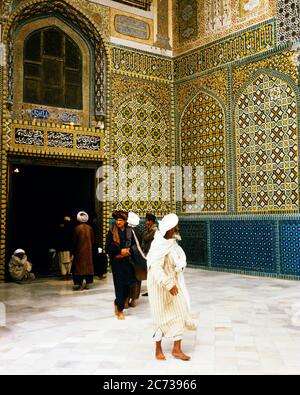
{"x":168,"y":296}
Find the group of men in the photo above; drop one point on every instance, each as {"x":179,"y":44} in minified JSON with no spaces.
{"x":154,"y":255}
{"x":127,"y":249}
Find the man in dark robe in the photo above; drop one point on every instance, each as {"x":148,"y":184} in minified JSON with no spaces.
{"x":118,"y":243}
{"x":148,"y":236}
{"x":83,"y":268}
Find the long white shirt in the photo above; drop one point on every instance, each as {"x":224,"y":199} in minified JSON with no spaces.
{"x":166,"y":261}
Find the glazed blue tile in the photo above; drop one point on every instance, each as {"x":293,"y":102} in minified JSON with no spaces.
{"x":194,"y":241}
{"x":290,"y":248}
{"x":243,"y":245}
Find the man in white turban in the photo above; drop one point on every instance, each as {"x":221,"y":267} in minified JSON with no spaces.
{"x":19,"y":267}
{"x":168,"y":296}
{"x":82,"y":217}
{"x":83,"y":267}
{"x":137,"y":257}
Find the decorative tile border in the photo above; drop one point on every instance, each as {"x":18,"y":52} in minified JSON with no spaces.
{"x":141,"y":64}
{"x":253,"y":41}
{"x":72,"y":141}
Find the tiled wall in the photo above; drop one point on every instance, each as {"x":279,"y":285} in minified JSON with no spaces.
{"x":231,"y":104}
{"x":250,"y":82}
{"x":269,"y":247}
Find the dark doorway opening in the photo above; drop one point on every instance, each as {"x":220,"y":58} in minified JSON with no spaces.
{"x":40,"y":196}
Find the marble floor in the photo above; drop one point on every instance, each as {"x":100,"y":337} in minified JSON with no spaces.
{"x":246,"y":325}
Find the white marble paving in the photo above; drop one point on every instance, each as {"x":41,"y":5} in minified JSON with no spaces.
{"x":246,"y":325}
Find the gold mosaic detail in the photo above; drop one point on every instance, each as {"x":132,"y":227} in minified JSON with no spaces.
{"x":5,"y":8}
{"x":122,"y":86}
{"x":48,"y":138}
{"x":258,"y":39}
{"x":141,"y":136}
{"x":141,"y":64}
{"x":216,"y":83}
{"x":202,"y":131}
{"x":266,"y":124}
{"x":98,"y":13}
{"x":282,"y":62}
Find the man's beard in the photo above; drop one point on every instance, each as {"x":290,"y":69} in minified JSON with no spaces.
{"x":177,"y":236}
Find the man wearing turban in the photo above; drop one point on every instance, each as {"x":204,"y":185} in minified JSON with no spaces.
{"x":83,"y":268}
{"x":168,"y":296}
{"x":118,"y":244}
{"x":19,"y":267}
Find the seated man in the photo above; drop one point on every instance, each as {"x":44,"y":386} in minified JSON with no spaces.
{"x":19,"y":267}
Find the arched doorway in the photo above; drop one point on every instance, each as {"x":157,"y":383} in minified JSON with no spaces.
{"x":41,"y":193}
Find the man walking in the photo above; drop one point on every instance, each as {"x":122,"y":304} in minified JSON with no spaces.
{"x":168,"y":296}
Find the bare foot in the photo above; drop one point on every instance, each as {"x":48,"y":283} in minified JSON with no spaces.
{"x":180,"y":355}
{"x":121,"y":316}
{"x":160,"y":356}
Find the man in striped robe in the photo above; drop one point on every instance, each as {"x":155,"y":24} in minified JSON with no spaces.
{"x":168,"y":296}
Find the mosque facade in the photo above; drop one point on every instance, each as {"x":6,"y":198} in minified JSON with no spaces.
{"x":207,"y":88}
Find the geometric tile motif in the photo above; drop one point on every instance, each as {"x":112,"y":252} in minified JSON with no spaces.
{"x":243,"y":245}
{"x":267,"y":146}
{"x":194,"y":241}
{"x":288,"y":21}
{"x":290,"y":248}
{"x":203,"y":144}
{"x":142,"y":137}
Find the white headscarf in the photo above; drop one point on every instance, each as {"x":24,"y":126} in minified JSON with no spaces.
{"x":167,"y":223}
{"x":19,"y":251}
{"x":82,"y":217}
{"x":133,"y":220}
